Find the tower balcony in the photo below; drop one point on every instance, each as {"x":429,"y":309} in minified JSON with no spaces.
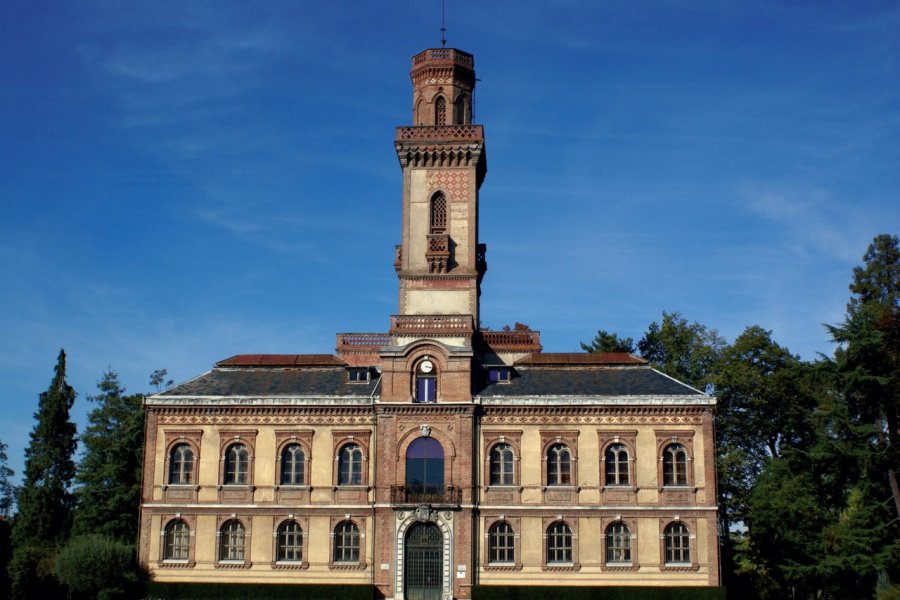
{"x":438,"y":253}
{"x":424,"y":325}
{"x":447,"y":56}
{"x":426,"y":494}
{"x":441,"y":133}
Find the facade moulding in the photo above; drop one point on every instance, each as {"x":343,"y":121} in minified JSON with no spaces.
{"x":553,"y":401}
{"x":217,"y":401}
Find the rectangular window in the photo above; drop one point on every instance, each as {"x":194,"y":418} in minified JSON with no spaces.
{"x":358,"y":375}
{"x":499,"y":375}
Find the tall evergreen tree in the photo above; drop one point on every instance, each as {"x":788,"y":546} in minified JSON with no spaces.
{"x":109,"y":473}
{"x":44,"y":500}
{"x":606,"y":341}
{"x":7,"y":489}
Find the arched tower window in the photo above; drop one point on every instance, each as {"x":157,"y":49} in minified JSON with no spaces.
{"x":440,"y":111}
{"x":426,"y":382}
{"x":438,"y":218}
{"x":461,"y":110}
{"x":425,"y":467}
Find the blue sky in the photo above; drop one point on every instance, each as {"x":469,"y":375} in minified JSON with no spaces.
{"x":185,"y":181}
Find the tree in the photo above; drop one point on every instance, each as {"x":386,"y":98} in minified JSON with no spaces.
{"x":158,"y":379}
{"x":606,"y":341}
{"x":44,"y":501}
{"x":868,"y":354}
{"x":96,"y":566}
{"x":7,"y":489}
{"x":685,"y":351}
{"x":109,"y":473}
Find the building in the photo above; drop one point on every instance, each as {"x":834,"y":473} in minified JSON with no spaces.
{"x":439,"y":455}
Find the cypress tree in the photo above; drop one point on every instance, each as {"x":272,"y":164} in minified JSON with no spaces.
{"x":44,"y":500}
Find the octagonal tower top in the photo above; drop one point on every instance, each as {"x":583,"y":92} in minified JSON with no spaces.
{"x":443,"y":83}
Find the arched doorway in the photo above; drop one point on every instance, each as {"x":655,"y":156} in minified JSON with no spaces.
{"x":423,"y":567}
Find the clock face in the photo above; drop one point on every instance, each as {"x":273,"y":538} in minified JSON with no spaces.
{"x":426,"y":366}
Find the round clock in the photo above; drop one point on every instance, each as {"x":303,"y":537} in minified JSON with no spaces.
{"x":426,"y":367}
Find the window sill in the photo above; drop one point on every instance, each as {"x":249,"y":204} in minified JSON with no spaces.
{"x":503,"y":567}
{"x":173,"y":563}
{"x":339,"y":566}
{"x":290,"y":565}
{"x":679,"y":567}
{"x":561,"y":567}
{"x":622,"y":567}
{"x":233,"y":564}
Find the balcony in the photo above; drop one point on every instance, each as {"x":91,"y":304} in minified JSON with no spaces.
{"x":420,"y":325}
{"x":422,"y":494}
{"x":438,"y":252}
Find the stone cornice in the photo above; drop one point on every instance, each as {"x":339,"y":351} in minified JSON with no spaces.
{"x":690,"y":400}
{"x":219,"y":401}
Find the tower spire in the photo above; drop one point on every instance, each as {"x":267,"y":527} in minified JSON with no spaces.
{"x":443,"y":27}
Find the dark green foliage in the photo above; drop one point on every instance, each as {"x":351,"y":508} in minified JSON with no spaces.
{"x":44,"y":501}
{"x":96,"y":566}
{"x":686,"y":351}
{"x":252,"y":591}
{"x":605,"y":341}
{"x":7,"y":489}
{"x":109,"y":474}
{"x":509,"y":592}
{"x":5,"y":556}
{"x":31,"y":573}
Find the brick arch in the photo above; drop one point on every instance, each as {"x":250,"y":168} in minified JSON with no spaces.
{"x":431,"y":348}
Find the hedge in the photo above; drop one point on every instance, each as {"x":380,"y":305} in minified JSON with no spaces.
{"x":255,"y":591}
{"x":511,"y":592}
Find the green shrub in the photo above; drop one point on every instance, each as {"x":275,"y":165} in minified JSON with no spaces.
{"x":95,"y":566}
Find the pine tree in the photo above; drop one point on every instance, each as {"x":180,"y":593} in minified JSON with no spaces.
{"x":44,"y":500}
{"x":109,"y":473}
{"x":606,"y":341}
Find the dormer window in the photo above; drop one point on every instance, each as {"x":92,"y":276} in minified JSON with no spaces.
{"x":358,"y":375}
{"x":499,"y":374}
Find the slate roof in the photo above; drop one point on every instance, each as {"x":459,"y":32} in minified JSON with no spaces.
{"x":268,"y":382}
{"x":587,"y":381}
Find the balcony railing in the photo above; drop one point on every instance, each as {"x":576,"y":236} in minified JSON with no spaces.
{"x":431,"y":324}
{"x":441,"y":133}
{"x":426,"y":494}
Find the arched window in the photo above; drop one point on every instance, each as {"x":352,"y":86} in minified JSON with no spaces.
{"x":419,"y":113}
{"x":502,"y":465}
{"x":177,"y":541}
{"x":618,"y":543}
{"x":440,"y":111}
{"x":290,"y":542}
{"x":617,"y":465}
{"x":675,"y":465}
{"x":425,"y":467}
{"x":501,"y":543}
{"x":237,"y":465}
{"x":231,"y":541}
{"x":292,"y":465}
{"x":678,"y":544}
{"x":559,"y":543}
{"x":438,"y":217}
{"x":559,"y":465}
{"x":460,"y":110}
{"x":181,"y":465}
{"x":346,"y":542}
{"x":350,"y":465}
{"x":426,"y":382}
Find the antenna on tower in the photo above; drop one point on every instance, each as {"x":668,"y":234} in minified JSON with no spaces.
{"x":443,"y":27}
